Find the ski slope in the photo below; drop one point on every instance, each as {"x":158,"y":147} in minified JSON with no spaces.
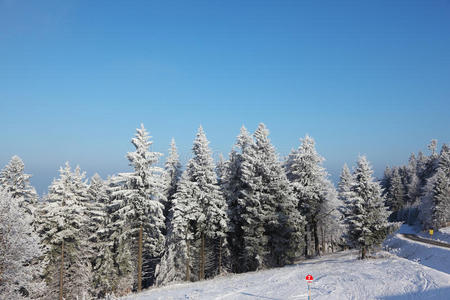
{"x":337,"y":276}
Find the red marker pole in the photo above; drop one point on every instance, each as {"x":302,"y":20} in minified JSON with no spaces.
{"x":309,"y":280}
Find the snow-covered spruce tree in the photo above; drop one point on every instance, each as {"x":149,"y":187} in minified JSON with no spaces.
{"x":266,"y":228}
{"x":413,"y":186}
{"x":345,"y":194}
{"x":435,"y":206}
{"x":310,"y":186}
{"x":99,"y":237}
{"x":199,"y":223}
{"x":283,"y":224}
{"x":14,"y":180}
{"x":221,"y":169}
{"x":177,"y":262}
{"x":386,"y":180}
{"x":64,"y":235}
{"x":19,"y":245}
{"x":368,"y":223}
{"x":118,"y":281}
{"x":331,"y":220}
{"x":212,"y":221}
{"x":144,"y":194}
{"x":234,"y":186}
{"x":396,"y":194}
{"x":172,"y":173}
{"x":345,"y":184}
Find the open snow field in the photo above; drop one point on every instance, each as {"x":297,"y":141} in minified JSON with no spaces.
{"x":336,"y":276}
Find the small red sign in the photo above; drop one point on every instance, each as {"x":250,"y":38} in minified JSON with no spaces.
{"x":309,"y":278}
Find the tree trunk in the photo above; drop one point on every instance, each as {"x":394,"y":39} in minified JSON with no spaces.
{"x":316,"y":238}
{"x":201,"y":273}
{"x":323,"y":240}
{"x":61,"y":273}
{"x":306,"y":240}
{"x":188,"y":269}
{"x":140,"y":260}
{"x":220,"y":256}
{"x":363,"y":252}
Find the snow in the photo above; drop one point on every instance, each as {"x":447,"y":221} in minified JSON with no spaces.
{"x":442,"y":235}
{"x":336,"y":276}
{"x":428,"y":255}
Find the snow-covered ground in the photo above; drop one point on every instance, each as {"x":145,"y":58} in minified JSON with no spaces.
{"x":442,"y":235}
{"x":428,"y":255}
{"x":337,"y":276}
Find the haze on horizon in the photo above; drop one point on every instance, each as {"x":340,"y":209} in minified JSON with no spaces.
{"x":77,"y":78}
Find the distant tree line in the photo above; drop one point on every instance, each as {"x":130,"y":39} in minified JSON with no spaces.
{"x":419,"y":192}
{"x":152,"y":226}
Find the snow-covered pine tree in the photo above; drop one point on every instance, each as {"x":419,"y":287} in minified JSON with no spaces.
{"x":119,"y":241}
{"x":212,"y":220}
{"x":385,"y":182}
{"x":345,"y":194}
{"x":144,"y":194}
{"x":345,"y":184}
{"x":172,"y":173}
{"x":99,"y":237}
{"x":243,"y":188}
{"x":14,"y":180}
{"x":283,"y":224}
{"x":331,"y":219}
{"x":234,"y":186}
{"x":221,"y":169}
{"x":396,"y":194}
{"x":177,"y":262}
{"x":19,"y":245}
{"x":307,"y":176}
{"x":64,"y":235}
{"x":435,"y":206}
{"x":199,"y":222}
{"x":368,"y":223}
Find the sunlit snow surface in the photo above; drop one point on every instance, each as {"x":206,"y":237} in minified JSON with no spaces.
{"x":337,"y":276}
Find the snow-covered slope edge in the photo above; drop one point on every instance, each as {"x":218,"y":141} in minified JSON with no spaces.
{"x":432,"y":256}
{"x":337,"y":276}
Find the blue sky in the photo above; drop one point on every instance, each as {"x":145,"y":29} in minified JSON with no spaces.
{"x":361,"y":77}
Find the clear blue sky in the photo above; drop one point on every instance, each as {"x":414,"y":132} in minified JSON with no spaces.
{"x":361,"y":77}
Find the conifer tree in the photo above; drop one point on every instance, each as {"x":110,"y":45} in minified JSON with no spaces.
{"x":435,"y":206}
{"x":307,"y":176}
{"x":368,"y":222}
{"x":172,"y":173}
{"x":177,"y":262}
{"x":234,"y":188}
{"x":345,"y":194}
{"x":64,"y":234}
{"x":14,"y":180}
{"x":396,"y":193}
{"x":198,"y":220}
{"x":19,"y":245}
{"x":283,"y":222}
{"x":144,"y":193}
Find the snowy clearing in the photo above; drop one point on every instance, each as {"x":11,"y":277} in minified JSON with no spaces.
{"x":336,"y":276}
